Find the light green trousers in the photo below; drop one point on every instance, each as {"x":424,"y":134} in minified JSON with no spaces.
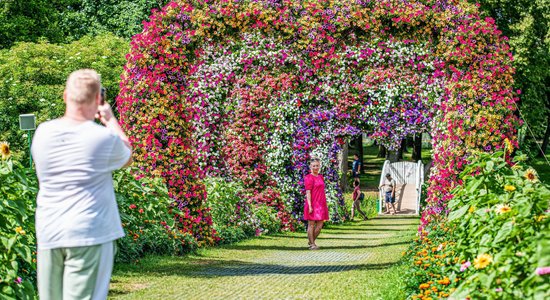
{"x":75,"y":273}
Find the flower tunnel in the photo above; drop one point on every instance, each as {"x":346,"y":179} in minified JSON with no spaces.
{"x":251,"y":90}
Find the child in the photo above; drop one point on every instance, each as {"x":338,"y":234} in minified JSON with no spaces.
{"x":357,"y":197}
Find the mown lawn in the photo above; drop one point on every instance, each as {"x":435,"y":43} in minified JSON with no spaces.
{"x":357,"y":260}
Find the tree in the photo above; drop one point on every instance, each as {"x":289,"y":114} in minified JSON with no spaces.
{"x":64,"y":21}
{"x":526,"y":23}
{"x":91,"y":17}
{"x":27,"y":21}
{"x":417,"y":147}
{"x":358,"y":142}
{"x":34,"y":75}
{"x":343,"y":158}
{"x":382,"y":151}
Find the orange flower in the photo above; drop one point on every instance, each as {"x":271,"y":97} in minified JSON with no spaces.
{"x":503,"y":208}
{"x":444,"y":281}
{"x":424,"y":286}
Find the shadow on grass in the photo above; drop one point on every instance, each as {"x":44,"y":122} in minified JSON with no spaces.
{"x":391,"y":225}
{"x":351,"y":238}
{"x":252,"y":269}
{"x":294,"y":248}
{"x":219,"y":268}
{"x":379,"y":228}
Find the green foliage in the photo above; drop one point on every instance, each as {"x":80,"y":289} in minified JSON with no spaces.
{"x":503,"y":213}
{"x":28,"y":21}
{"x":32,"y":78}
{"x":141,"y":204}
{"x":268,"y":220}
{"x":223,"y":201}
{"x":369,"y":205}
{"x":527,"y":24}
{"x":496,"y":235}
{"x":17,"y":237}
{"x":233,"y":218}
{"x":63,"y":21}
{"x":92,"y":17}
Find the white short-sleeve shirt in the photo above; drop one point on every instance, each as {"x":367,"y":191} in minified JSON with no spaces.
{"x":76,"y":203}
{"x":388,"y":185}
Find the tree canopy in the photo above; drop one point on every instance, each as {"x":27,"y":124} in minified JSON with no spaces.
{"x":526,"y":23}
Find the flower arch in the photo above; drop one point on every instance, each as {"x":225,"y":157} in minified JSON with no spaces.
{"x":250,"y":89}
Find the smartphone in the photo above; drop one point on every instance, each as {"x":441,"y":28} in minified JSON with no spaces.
{"x":102,"y":100}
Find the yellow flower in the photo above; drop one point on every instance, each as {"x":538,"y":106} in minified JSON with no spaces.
{"x":531,"y":175}
{"x":20,"y":230}
{"x":5,"y":150}
{"x":482,"y":261}
{"x":508,"y":146}
{"x":502,"y":208}
{"x":471,"y":209}
{"x":509,"y":188}
{"x":540,"y":218}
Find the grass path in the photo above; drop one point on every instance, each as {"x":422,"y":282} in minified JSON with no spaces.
{"x":357,"y":260}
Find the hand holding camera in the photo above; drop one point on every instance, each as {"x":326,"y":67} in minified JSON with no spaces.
{"x":104,"y":111}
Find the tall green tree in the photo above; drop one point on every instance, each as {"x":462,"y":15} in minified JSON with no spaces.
{"x":63,"y":21}
{"x":28,"y":20}
{"x":121,"y":17}
{"x":33,"y":75}
{"x":527,"y":24}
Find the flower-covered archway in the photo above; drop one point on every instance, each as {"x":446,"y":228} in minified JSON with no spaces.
{"x":250,"y":90}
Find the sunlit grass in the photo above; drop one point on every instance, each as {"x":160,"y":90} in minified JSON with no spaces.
{"x":357,"y":260}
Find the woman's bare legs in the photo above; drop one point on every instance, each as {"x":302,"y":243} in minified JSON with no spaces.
{"x":318,"y":227}
{"x":311,"y":232}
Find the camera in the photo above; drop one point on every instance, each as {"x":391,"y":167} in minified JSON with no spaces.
{"x":102,"y":100}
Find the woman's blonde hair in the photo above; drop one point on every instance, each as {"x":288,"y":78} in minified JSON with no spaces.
{"x":315,"y":159}
{"x":83,"y":86}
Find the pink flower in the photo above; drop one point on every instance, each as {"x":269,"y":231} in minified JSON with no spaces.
{"x":542,"y":271}
{"x":498,"y":290}
{"x":465,"y":266}
{"x":18,"y":280}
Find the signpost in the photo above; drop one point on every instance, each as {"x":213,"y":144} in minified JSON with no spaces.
{"x":27,"y":122}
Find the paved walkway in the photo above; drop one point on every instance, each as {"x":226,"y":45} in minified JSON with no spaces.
{"x":356,"y":261}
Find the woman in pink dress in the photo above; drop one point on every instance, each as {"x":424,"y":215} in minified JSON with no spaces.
{"x":315,"y":209}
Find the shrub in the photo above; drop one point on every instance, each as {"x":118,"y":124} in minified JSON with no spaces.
{"x":234,"y":218}
{"x":145,"y":213}
{"x":501,"y":221}
{"x":267,"y":215}
{"x":496,"y":236}
{"x":33,"y":78}
{"x":17,"y":234}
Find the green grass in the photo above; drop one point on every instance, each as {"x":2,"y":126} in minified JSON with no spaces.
{"x":357,"y":260}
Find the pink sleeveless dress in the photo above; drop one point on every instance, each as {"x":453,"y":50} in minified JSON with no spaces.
{"x":316,"y":184}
